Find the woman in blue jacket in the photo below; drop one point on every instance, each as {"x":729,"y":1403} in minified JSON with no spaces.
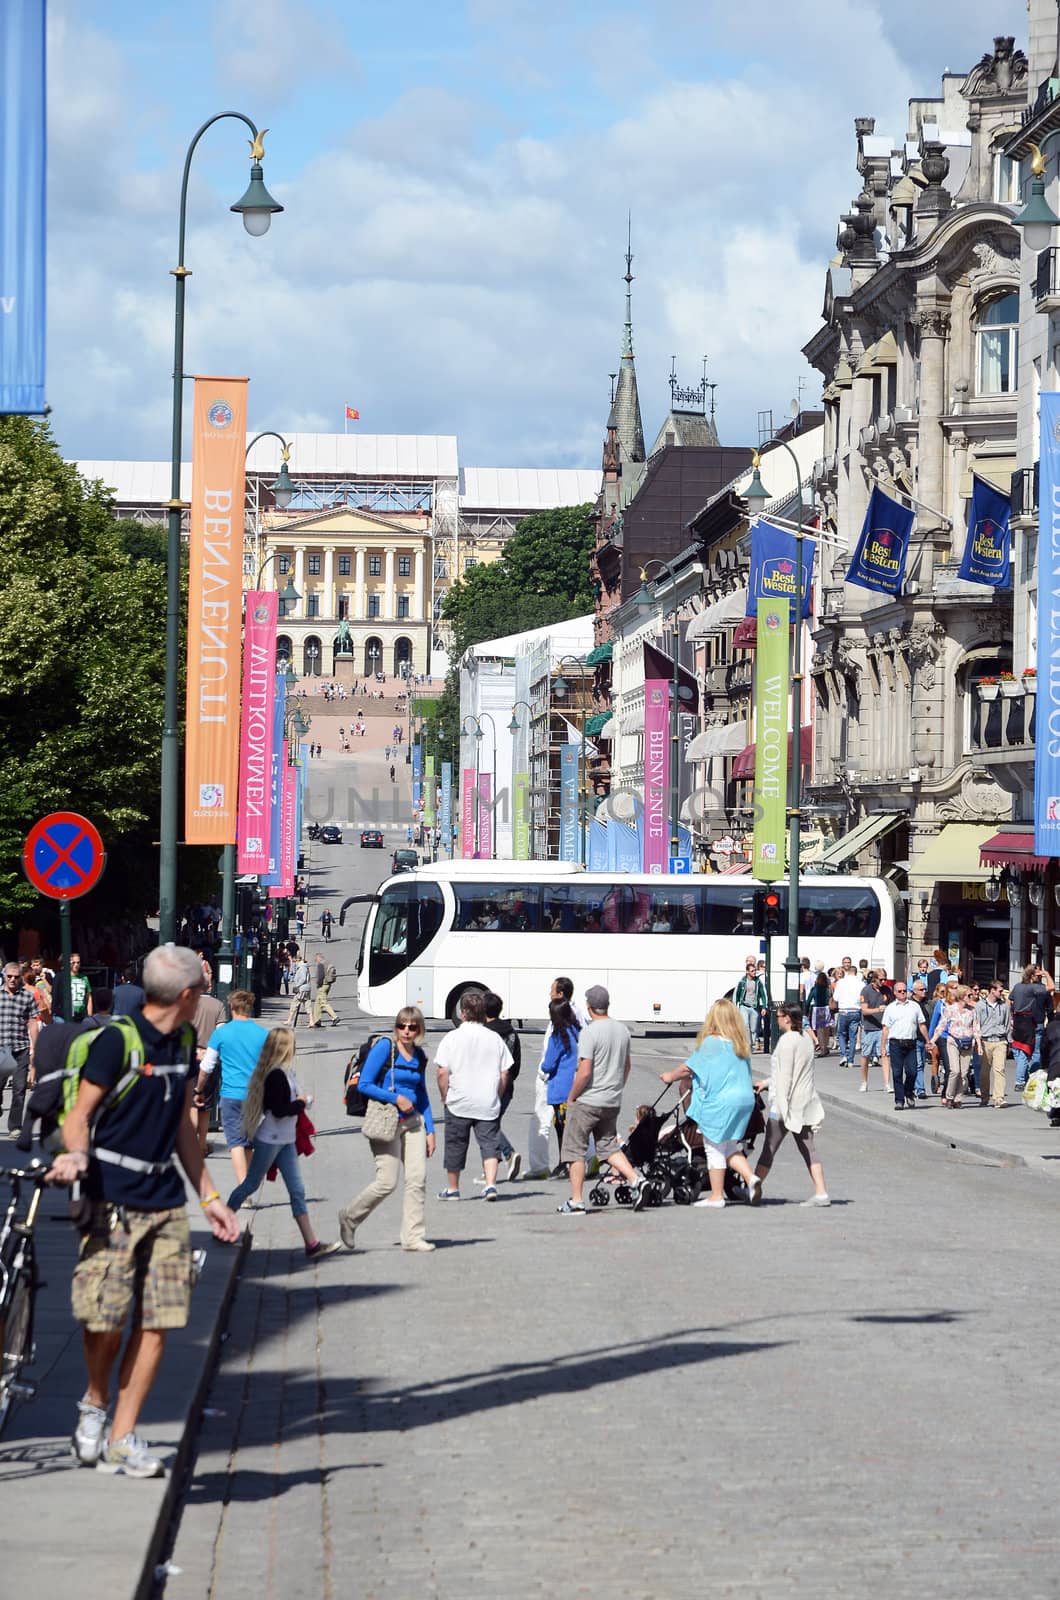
{"x":560,"y":1060}
{"x":394,"y":1072}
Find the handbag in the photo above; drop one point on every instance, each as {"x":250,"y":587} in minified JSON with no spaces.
{"x":381,"y":1118}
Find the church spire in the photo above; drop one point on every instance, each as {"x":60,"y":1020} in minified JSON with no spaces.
{"x":625,"y":412}
{"x":627,"y":343}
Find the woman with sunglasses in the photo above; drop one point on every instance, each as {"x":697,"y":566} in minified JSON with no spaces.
{"x":394,"y":1073}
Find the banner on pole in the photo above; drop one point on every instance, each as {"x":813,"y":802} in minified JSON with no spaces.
{"x":468,"y":802}
{"x":428,"y":791}
{"x":417,"y":774}
{"x":445,"y":820}
{"x":23,"y":166}
{"x":774,"y":571}
{"x":771,"y":698}
{"x":1047,"y":722}
{"x":879,"y":557}
{"x":270,"y":878}
{"x":485,"y":815}
{"x":656,"y":773}
{"x":521,"y":816}
{"x":987,"y":547}
{"x":288,"y":809}
{"x":568,"y":802}
{"x":256,"y":730}
{"x":215,"y":593}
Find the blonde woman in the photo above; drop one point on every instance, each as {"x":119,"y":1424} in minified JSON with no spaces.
{"x":271,"y":1107}
{"x":960,"y":1024}
{"x":394,"y":1073}
{"x":719,"y":1069}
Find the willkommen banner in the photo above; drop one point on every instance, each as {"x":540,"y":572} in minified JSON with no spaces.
{"x":445,"y":818}
{"x":256,"y":731}
{"x":468,"y":802}
{"x":23,"y":163}
{"x":1047,"y":725}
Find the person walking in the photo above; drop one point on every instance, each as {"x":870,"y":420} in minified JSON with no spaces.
{"x":723,"y":1097}
{"x":560,"y":1060}
{"x":507,"y":1031}
{"x":328,"y":975}
{"x":327,"y":922}
{"x":271,"y":1109}
{"x":301,"y":988}
{"x":995,"y":1030}
{"x":820,"y":999}
{"x":18,"y":1012}
{"x":473,"y":1066}
{"x":1031,"y":1008}
{"x":902,"y":1024}
{"x":961,"y":1025}
{"x":751,"y":997}
{"x":873,"y":1005}
{"x":846,"y":992}
{"x":595,"y":1100}
{"x":135,"y":1257}
{"x":792,"y":1105}
{"x":542,"y":1119}
{"x":945,"y":995}
{"x":920,"y":995}
{"x":394,"y":1075}
{"x":235,"y":1047}
{"x":80,"y":992}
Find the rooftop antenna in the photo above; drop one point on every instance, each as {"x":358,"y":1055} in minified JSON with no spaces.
{"x":712,"y":387}
{"x":627,"y":349}
{"x":612,"y":376}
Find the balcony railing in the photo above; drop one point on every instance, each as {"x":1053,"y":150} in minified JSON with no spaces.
{"x":1004,"y":726}
{"x":1047,"y":280}
{"x":1025,"y":490}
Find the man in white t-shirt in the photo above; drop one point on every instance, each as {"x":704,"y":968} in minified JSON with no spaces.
{"x":846,"y":992}
{"x":472,"y":1065}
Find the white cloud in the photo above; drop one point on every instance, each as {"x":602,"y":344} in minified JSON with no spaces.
{"x":270,"y":47}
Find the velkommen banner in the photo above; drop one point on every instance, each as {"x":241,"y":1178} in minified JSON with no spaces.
{"x":23,"y":163}
{"x":986,"y":549}
{"x":656,"y":773}
{"x":1047,"y":722}
{"x":568,"y":802}
{"x":215,"y":593}
{"x":256,"y":730}
{"x":771,"y":692}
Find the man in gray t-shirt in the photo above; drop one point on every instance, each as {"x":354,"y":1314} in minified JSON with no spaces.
{"x":595,"y":1099}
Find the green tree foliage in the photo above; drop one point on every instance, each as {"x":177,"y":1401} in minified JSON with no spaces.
{"x":82,"y":628}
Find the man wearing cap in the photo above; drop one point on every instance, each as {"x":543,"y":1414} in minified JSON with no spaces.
{"x":595,"y":1100}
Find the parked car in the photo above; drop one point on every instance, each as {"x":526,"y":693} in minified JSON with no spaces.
{"x":371,"y":839}
{"x":404,"y":861}
{"x":330,"y":834}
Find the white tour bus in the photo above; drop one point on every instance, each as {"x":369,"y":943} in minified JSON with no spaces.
{"x":665,"y":947}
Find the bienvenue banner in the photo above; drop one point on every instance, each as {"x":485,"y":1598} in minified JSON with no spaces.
{"x":772,"y":686}
{"x":215,"y":594}
{"x":656,"y":772}
{"x":1047,"y":726}
{"x":256,"y":730}
{"x":485,"y":815}
{"x":23,"y":164}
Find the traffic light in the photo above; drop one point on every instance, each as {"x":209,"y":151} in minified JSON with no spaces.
{"x":766,"y":912}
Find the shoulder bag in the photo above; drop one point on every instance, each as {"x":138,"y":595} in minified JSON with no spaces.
{"x":381,"y":1119}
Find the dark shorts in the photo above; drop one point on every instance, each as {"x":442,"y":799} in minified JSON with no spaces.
{"x":458,"y":1137}
{"x":232,"y":1123}
{"x":600,"y":1122}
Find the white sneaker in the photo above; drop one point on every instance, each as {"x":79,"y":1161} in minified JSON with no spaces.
{"x":863,"y":1088}
{"x":710,"y":1204}
{"x":817,"y":1200}
{"x":754,"y":1191}
{"x":87,"y":1441}
{"x":515,"y":1166}
{"x":130,"y":1456}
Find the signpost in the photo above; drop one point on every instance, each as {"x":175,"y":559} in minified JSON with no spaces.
{"x":680,"y":866}
{"x":63,"y":858}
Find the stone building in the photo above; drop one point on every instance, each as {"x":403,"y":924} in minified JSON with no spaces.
{"x":918,"y":352}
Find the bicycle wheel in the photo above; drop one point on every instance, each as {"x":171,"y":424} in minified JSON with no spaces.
{"x":16,"y":1331}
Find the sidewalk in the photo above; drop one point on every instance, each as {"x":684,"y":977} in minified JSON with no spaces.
{"x":63,"y":1522}
{"x":1012,"y":1135}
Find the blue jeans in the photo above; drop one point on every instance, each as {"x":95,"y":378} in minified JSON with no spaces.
{"x":750,"y":1017}
{"x":1024,"y":1072}
{"x":286,"y":1158}
{"x":847,"y":1024}
{"x":921,"y":1056}
{"x":903,"y":1069}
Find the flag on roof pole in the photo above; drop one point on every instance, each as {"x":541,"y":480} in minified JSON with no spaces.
{"x":351,"y":415}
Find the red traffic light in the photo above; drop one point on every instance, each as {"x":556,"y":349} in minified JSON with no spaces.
{"x":772,"y":900}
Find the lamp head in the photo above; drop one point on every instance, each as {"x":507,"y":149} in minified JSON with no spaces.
{"x":257,"y":207}
{"x":290,"y":677}
{"x":513,"y":726}
{"x":756,"y":494}
{"x":290,"y":595}
{"x":283,"y":488}
{"x":992,"y":888}
{"x":1037,"y":219}
{"x":559,"y":686}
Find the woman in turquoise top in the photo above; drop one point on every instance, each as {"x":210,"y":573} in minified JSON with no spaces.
{"x":723,"y":1098}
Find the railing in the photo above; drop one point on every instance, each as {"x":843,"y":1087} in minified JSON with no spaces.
{"x":1004,"y":725}
{"x":1047,"y":93}
{"x":1046,"y":281}
{"x":1024,"y":493}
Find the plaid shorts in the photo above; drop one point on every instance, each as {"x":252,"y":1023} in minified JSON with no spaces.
{"x":133,"y":1260}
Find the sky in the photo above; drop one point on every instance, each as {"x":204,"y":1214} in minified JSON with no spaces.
{"x":456,"y":177}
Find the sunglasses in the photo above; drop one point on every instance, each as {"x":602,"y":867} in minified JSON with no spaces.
{"x":413,"y":1025}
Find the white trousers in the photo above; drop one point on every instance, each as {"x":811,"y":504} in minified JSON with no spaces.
{"x":539,"y":1151}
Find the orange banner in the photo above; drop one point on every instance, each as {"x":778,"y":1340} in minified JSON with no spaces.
{"x":215,"y":593}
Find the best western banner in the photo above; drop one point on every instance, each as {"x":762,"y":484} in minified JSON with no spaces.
{"x":256,"y":729}
{"x":656,"y":773}
{"x":775,"y":567}
{"x":879,"y":559}
{"x":772,"y":685}
{"x":215,"y":592}
{"x":22,"y":183}
{"x":986,"y":550}
{"x":1047,"y":734}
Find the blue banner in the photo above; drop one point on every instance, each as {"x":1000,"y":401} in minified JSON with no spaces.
{"x":623,"y":847}
{"x":986,"y":550}
{"x":879,"y":560}
{"x":271,"y":878}
{"x":445,"y":817}
{"x":568,"y":802}
{"x":775,"y":566}
{"x":417,"y":775}
{"x":598,"y":846}
{"x":1047,"y":723}
{"x":22,"y":175}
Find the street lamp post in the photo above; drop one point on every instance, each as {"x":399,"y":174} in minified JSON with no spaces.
{"x":256,"y":207}
{"x":757,"y":498}
{"x":514,"y":728}
{"x":479,"y":736}
{"x":559,"y":689}
{"x":644,"y":605}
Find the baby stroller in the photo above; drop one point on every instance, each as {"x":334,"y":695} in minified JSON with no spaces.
{"x":668,"y":1148}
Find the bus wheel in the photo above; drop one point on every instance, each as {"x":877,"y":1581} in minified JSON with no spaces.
{"x":458,"y":995}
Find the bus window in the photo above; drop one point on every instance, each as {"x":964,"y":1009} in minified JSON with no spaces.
{"x":580,"y":908}
{"x":496,"y":907}
{"x":727,"y":908}
{"x":406,"y":920}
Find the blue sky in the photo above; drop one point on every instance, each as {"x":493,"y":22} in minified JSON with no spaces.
{"x":456,"y":178}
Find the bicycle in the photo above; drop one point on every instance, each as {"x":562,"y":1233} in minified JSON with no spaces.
{"x":19,"y":1282}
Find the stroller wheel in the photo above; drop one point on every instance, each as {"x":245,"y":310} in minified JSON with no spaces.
{"x":623,"y":1194}
{"x":656,"y":1193}
{"x":684,"y":1192}
{"x":660,"y":1177}
{"x":599,"y":1195}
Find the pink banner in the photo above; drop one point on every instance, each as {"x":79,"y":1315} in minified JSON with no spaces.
{"x":255,"y":730}
{"x":485,"y":816}
{"x":287,"y":838}
{"x":656,"y":781}
{"x":467,"y":813}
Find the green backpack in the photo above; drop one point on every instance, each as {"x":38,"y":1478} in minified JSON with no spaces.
{"x":134,"y":1066}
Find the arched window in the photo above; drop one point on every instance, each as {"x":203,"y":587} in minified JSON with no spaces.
{"x":283,"y":649}
{"x":997,"y":337}
{"x":311,"y":657}
{"x":402,"y":657}
{"x":373,"y":656}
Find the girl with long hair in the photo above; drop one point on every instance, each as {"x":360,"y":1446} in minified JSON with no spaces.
{"x":560,"y":1060}
{"x":271,"y":1108}
{"x":719,"y":1070}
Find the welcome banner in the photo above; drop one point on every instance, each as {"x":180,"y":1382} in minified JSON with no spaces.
{"x":23,"y":164}
{"x":468,"y":802}
{"x":215,"y":593}
{"x":1047,"y":724}
{"x":986,"y":549}
{"x":428,"y":791}
{"x":521,"y":816}
{"x":656,"y":773}
{"x":772,"y":687}
{"x":445,"y":820}
{"x":568,"y":802}
{"x":256,"y":729}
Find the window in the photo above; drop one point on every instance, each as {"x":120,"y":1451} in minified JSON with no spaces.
{"x":373,"y":605}
{"x":314,"y":566}
{"x":1006,"y":181}
{"x":312,"y":605}
{"x":344,"y":606}
{"x":283,"y":565}
{"x":403,"y":605}
{"x":344,"y":566}
{"x":469,"y":562}
{"x":998,"y":340}
{"x":404,"y":566}
{"x":375,"y":566}
{"x":441,"y":567}
{"x":407,"y":919}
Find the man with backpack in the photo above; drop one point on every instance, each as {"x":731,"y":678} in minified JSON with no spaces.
{"x":326,"y":976}
{"x":131,"y":1114}
{"x":301,"y":988}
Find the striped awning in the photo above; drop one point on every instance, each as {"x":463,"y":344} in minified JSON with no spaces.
{"x":723,"y":741}
{"x":718,"y":616}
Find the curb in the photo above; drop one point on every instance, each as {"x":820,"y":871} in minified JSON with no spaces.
{"x":1005,"y":1158}
{"x":147,"y":1584}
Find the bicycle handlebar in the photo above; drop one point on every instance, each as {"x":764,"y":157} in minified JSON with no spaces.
{"x":34,"y":1174}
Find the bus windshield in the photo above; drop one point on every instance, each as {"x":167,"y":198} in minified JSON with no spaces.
{"x":406,"y":920}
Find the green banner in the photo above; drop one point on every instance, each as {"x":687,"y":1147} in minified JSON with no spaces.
{"x":428,"y":791}
{"x":771,"y":702}
{"x":521,"y":816}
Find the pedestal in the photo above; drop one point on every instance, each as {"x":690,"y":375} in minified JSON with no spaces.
{"x":344,"y":672}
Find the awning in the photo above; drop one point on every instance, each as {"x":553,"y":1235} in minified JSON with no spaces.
{"x":607,"y":729}
{"x":996,"y":470}
{"x":601,"y":652}
{"x":721,"y":741}
{"x":735,"y":870}
{"x":594,"y":723}
{"x":718,"y":616}
{"x":953,"y":855}
{"x":1013,"y":847}
{"x":744,"y":765}
{"x":852,"y":843}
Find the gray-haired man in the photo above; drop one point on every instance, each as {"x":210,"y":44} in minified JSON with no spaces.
{"x":595,"y":1100}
